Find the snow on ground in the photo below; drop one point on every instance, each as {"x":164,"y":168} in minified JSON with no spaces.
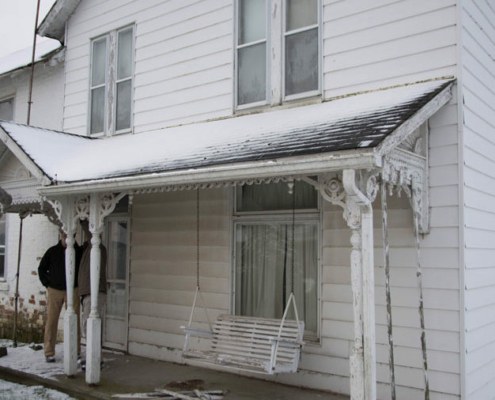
{"x":25,"y":359}
{"x":9,"y":390}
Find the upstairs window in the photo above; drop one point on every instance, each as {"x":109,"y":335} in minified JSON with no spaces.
{"x":277,"y":53}
{"x":301,"y":47}
{"x":7,"y":109}
{"x":111,"y":82}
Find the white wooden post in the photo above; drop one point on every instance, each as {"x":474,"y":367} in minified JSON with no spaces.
{"x":93,"y":334}
{"x":65,"y":210}
{"x":99,"y":207}
{"x":359,"y":216}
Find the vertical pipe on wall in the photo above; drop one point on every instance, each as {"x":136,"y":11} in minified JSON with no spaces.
{"x":32,"y":63}
{"x":16,"y":296}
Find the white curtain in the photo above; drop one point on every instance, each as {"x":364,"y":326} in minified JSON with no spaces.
{"x":264,"y":270}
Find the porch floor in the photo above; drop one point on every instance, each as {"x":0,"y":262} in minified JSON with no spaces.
{"x":125,"y":374}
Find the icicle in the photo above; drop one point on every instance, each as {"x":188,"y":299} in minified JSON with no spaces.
{"x":386,"y":264}
{"x":421,"y":310}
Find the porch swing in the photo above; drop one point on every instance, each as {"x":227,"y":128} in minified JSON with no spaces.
{"x":260,"y":345}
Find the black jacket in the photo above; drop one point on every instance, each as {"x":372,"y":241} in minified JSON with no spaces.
{"x":52,"y":267}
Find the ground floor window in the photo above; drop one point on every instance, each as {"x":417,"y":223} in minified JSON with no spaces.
{"x":263,"y":253}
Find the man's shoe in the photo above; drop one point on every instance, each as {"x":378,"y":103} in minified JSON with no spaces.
{"x":50,"y":359}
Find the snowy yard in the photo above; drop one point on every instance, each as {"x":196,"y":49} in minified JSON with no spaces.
{"x":9,"y":390}
{"x":25,"y":359}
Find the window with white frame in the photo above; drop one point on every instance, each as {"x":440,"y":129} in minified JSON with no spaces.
{"x":7,"y":109}
{"x":264,"y":274}
{"x":111,"y":82}
{"x":277,"y":53}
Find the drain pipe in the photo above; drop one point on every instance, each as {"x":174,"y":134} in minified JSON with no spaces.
{"x":16,"y":296}
{"x":363,"y":268}
{"x":33,"y":56}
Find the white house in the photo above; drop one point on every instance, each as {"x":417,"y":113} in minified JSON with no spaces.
{"x":232,"y":113}
{"x":38,"y":233}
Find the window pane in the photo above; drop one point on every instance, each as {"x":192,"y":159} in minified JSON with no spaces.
{"x":301,"y":13}
{"x":264,"y":271}
{"x":124,"y":65}
{"x":251,"y":84}
{"x":124,"y":105}
{"x":301,"y":62}
{"x":275,"y":196}
{"x":97,"y":110}
{"x":7,"y":109}
{"x":116,"y":299}
{"x":252,"y":20}
{"x":99,"y":62}
{"x":117,"y":250}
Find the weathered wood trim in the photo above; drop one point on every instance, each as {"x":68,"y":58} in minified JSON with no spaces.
{"x":303,"y":165}
{"x":24,"y":158}
{"x":408,"y":127}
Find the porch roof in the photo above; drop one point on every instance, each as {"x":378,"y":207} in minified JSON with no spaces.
{"x":332,"y":135}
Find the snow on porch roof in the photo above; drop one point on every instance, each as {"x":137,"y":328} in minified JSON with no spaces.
{"x":355,"y":122}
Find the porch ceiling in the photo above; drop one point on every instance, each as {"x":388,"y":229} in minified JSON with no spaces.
{"x":347,"y":132}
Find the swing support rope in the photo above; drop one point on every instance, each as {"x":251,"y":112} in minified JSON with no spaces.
{"x":198,"y":287}
{"x":386,"y":263}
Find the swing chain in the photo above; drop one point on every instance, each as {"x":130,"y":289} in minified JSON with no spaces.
{"x":197,"y":238}
{"x":293,"y":234}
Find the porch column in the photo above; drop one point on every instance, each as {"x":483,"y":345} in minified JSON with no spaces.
{"x":93,"y":334}
{"x":100,"y":206}
{"x":359,"y":216}
{"x":67,"y":216}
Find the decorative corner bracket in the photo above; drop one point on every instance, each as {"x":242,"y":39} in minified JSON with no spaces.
{"x":406,"y":172}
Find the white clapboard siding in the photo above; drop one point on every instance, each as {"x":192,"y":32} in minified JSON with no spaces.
{"x":385,"y":43}
{"x":478,"y":67}
{"x":163,"y":261}
{"x":183,"y":55}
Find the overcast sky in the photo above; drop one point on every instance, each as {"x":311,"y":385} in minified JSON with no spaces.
{"x":17,"y":23}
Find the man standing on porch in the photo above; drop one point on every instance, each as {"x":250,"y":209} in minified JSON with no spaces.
{"x":51,"y":272}
{"x":85,"y":280}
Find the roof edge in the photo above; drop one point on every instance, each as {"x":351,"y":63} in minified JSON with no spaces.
{"x":24,"y":158}
{"x":413,"y":122}
{"x":305,"y":165}
{"x":53,"y":25}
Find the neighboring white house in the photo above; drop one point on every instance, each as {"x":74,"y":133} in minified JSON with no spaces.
{"x":231,"y":100}
{"x":38,"y":233}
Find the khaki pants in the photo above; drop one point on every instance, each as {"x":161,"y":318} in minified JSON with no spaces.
{"x":56,"y":299}
{"x":86,"y":309}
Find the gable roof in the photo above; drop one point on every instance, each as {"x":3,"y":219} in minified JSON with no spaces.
{"x":45,"y":49}
{"x":53,"y":26}
{"x":304,"y":139}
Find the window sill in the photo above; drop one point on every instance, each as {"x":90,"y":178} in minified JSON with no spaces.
{"x":4,"y":286}
{"x":290,"y":102}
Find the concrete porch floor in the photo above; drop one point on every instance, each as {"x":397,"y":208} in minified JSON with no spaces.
{"x":130,"y":374}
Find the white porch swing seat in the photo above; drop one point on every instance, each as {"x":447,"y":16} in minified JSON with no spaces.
{"x":260,"y":345}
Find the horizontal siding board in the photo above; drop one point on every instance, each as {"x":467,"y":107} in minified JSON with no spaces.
{"x":410,"y":29}
{"x":432,"y":61}
{"x":480,"y":337}
{"x":182,"y":55}
{"x":479,"y":297}
{"x":443,"y":156}
{"x":443,"y":136}
{"x":342,"y":23}
{"x":158,"y":101}
{"x":373,"y":53}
